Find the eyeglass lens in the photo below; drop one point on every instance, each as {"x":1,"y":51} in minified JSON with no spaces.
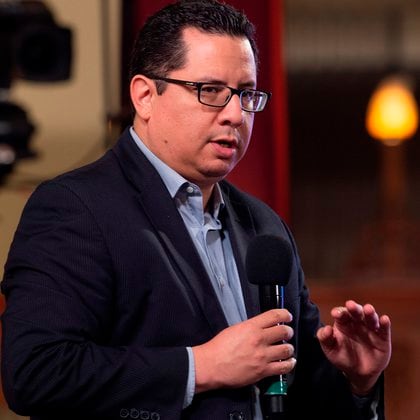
{"x":216,"y":95}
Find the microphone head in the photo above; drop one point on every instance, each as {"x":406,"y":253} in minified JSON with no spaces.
{"x":269,"y":260}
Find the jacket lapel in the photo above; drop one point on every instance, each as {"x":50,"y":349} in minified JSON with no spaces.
{"x":159,"y":207}
{"x":238,"y":221}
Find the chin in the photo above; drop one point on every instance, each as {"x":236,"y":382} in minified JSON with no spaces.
{"x":218,"y":174}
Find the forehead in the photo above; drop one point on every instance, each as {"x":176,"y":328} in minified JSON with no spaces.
{"x":218,"y":52}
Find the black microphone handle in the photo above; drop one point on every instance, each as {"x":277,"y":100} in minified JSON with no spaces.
{"x":274,"y":407}
{"x":271,"y":297}
{"x":274,"y":398}
{"x":269,"y":263}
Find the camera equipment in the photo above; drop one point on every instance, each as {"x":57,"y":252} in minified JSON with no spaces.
{"x":32,"y":47}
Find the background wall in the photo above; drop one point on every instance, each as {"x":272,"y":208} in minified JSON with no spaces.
{"x":70,"y":116}
{"x":336,"y":54}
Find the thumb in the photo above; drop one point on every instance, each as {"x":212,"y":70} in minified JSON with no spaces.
{"x":326,"y":337}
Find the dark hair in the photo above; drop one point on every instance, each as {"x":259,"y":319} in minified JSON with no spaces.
{"x":159,"y":47}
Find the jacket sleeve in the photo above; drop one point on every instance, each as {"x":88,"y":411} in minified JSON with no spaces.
{"x":56,"y":351}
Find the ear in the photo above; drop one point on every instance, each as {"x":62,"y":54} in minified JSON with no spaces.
{"x":142,"y":91}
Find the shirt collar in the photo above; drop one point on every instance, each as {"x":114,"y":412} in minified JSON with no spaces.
{"x":173,"y":181}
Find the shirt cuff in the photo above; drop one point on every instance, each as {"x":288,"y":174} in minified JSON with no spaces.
{"x":190,"y":389}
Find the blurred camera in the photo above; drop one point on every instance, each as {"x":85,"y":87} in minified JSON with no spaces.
{"x":32,"y":47}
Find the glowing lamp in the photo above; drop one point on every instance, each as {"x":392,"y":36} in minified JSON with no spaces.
{"x":392,"y":113}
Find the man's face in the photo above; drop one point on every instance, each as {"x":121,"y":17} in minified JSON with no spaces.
{"x":203,"y":143}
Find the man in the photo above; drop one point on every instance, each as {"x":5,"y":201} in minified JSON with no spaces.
{"x":126,"y":291}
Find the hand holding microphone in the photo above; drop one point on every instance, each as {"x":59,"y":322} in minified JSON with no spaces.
{"x":268,"y":265}
{"x":247,"y":352}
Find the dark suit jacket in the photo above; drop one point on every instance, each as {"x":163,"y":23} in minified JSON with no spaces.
{"x":105,"y":290}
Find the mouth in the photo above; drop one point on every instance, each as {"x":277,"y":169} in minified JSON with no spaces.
{"x":225,"y":148}
{"x":227,"y":143}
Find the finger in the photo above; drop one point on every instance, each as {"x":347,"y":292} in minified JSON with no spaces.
{"x":326,"y":336}
{"x":385,"y":327}
{"x":355,"y":310}
{"x":341,"y":314}
{"x":277,"y":334}
{"x":280,"y":352}
{"x":351,"y":312}
{"x":281,"y":367}
{"x":371,"y":317}
{"x":271,"y":318}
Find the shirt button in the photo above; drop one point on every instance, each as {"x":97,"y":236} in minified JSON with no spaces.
{"x":236,"y":415}
{"x":124,"y":413}
{"x":190,"y":189}
{"x":134,"y":413}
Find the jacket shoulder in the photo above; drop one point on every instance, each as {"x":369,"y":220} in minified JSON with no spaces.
{"x":260,"y":212}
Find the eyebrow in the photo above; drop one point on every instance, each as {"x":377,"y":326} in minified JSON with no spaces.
{"x":250,"y":84}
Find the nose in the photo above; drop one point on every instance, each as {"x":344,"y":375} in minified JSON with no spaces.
{"x":232,"y":112}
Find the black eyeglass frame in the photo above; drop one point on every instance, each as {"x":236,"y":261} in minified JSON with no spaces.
{"x":199,"y":86}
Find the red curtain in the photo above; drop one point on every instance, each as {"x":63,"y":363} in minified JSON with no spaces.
{"x":264,"y":171}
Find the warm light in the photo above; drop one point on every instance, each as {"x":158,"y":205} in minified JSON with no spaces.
{"x":392,"y":114}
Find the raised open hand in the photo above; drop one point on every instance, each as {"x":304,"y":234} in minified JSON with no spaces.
{"x":358,"y":343}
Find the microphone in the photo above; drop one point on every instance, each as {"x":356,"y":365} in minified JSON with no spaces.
{"x":268,"y":264}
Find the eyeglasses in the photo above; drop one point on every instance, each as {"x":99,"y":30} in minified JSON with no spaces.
{"x":217,"y":95}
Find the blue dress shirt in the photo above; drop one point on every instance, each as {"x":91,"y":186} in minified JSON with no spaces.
{"x":213,"y":245}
